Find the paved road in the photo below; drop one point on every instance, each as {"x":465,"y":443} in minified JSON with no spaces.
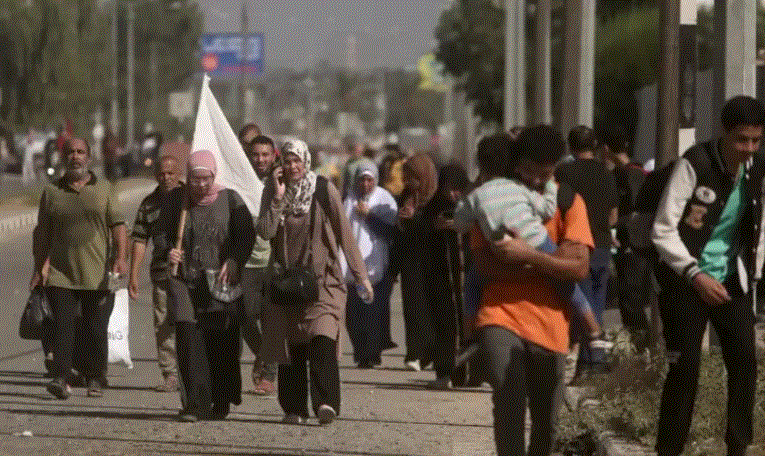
{"x":385,"y":411}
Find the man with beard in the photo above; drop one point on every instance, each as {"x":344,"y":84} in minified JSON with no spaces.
{"x":80,"y":236}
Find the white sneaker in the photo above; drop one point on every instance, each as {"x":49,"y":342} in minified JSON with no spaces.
{"x":292,"y":418}
{"x":326,"y":414}
{"x":602,"y":344}
{"x":413,"y":365}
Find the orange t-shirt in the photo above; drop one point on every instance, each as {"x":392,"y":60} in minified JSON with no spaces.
{"x":528,"y":304}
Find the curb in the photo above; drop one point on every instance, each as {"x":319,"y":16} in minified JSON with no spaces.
{"x":27,"y":220}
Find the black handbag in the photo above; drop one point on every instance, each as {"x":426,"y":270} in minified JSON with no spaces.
{"x":297,"y":286}
{"x":36,"y":316}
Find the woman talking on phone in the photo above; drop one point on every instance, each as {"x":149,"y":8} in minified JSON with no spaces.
{"x":303,"y":217}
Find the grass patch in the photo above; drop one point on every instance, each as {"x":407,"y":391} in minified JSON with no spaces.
{"x":627,"y":401}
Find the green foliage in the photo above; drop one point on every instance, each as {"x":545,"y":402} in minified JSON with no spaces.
{"x":627,"y":401}
{"x":471,"y":46}
{"x":58,"y":61}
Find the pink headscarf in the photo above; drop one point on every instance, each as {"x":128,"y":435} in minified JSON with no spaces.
{"x":204,"y":159}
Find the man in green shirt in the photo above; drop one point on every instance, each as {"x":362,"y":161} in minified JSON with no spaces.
{"x":79,"y":237}
{"x":144,"y":229}
{"x":262,"y":153}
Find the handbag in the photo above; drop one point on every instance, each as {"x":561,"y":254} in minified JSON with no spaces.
{"x":296,"y":286}
{"x":36,"y":316}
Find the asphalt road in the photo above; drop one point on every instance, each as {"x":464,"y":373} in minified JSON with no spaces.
{"x":385,"y":411}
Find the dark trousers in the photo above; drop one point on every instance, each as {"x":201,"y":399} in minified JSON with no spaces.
{"x":365,"y":322}
{"x":251,"y":315}
{"x":594,"y":287}
{"x":685,"y":317}
{"x":321,"y":355}
{"x":208,"y":361}
{"x":633,"y":284}
{"x":519,"y":370}
{"x":96,"y":309}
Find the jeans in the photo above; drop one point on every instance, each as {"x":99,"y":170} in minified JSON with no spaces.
{"x":519,"y":370}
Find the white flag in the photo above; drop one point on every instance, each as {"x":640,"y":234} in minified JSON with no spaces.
{"x":212,"y":132}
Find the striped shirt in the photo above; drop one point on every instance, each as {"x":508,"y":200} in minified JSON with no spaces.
{"x":501,"y":205}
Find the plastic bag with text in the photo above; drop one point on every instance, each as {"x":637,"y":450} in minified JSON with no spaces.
{"x":119,"y":330}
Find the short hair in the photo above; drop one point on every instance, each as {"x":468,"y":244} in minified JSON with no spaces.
{"x":262,"y":139}
{"x":615,"y":138}
{"x":742,"y":110}
{"x":67,"y":146}
{"x":246,"y":129}
{"x":541,"y":144}
{"x":581,"y":138}
{"x":492,"y":154}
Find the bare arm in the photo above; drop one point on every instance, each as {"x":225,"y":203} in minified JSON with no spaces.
{"x":136,"y":257}
{"x":570,"y":262}
{"x":119,"y":234}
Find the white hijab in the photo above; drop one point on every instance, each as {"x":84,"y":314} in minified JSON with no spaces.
{"x":383,"y":208}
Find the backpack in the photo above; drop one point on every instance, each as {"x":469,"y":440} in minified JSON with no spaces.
{"x":640,"y":223}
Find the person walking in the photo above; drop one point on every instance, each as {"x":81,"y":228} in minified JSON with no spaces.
{"x":590,"y":178}
{"x":707,"y":234}
{"x":299,"y":206}
{"x":421,"y":182}
{"x":144,"y":229}
{"x":523,"y":321}
{"x":372,"y":212}
{"x":216,"y":237}
{"x":262,"y":154}
{"x":80,"y":237}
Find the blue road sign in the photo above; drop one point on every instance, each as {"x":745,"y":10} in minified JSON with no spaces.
{"x":224,"y":53}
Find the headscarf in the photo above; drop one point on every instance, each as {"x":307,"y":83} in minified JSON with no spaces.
{"x":298,"y":196}
{"x":204,"y":159}
{"x":365,"y":167}
{"x":421,"y":165}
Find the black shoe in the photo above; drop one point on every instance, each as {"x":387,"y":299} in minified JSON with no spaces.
{"x":219,"y":411}
{"x":59,"y":388}
{"x":365,"y":365}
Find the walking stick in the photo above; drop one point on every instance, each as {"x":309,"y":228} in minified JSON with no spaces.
{"x":181,"y":228}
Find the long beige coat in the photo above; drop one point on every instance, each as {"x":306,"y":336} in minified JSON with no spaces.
{"x":292,"y":325}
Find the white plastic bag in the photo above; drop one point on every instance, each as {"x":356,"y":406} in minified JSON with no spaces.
{"x":119,"y":330}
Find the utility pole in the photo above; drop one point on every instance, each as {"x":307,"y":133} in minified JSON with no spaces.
{"x":130,"y":133}
{"x":579,"y":66}
{"x":242,"y":57}
{"x":735,"y":54}
{"x":114,"y":121}
{"x":515,"y":64}
{"x":668,"y":91}
{"x":542,"y":57}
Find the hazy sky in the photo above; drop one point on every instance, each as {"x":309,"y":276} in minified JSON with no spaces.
{"x":390,"y":33}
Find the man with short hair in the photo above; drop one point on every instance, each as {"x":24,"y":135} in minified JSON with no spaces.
{"x":167,"y":174}
{"x":523,"y":321}
{"x":262,"y":155}
{"x":247,"y":133}
{"x":707,"y":234}
{"x":79,"y":237}
{"x":590,"y":178}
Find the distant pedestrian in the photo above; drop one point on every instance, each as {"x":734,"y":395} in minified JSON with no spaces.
{"x":372,"y":212}
{"x":523,"y":320}
{"x":308,"y":233}
{"x":145,"y":229}
{"x":247,"y":133}
{"x":82,"y":235}
{"x":589,"y":177}
{"x":355,"y":147}
{"x":632,"y":269}
{"x":262,"y":154}
{"x":216,"y":240}
{"x":421,"y":183}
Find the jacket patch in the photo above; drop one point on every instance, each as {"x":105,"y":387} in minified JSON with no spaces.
{"x":705,"y":194}
{"x":695,"y":217}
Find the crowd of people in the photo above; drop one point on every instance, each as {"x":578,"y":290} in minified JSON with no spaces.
{"x":516,"y":264}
